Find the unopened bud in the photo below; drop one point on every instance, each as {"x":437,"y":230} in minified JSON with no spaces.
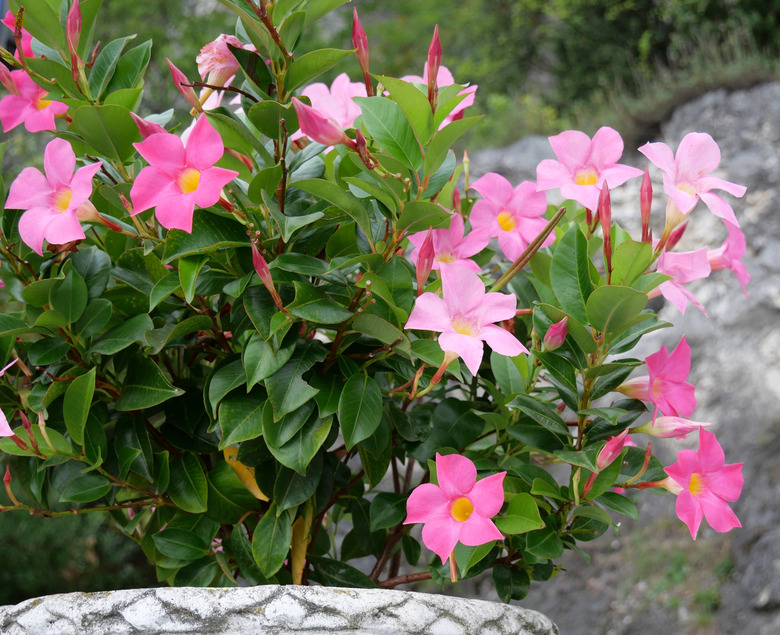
{"x":675,"y":236}
{"x":432,"y":67}
{"x":645,"y":203}
{"x":556,"y":335}
{"x":425,"y":260}
{"x":320,"y":127}
{"x":261,"y":267}
{"x":184,"y":86}
{"x":360,"y":42}
{"x":146,"y":127}
{"x":605,"y":217}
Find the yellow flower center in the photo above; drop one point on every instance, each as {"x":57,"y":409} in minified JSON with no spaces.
{"x":189,"y":180}
{"x":61,"y":200}
{"x":42,"y":103}
{"x":506,"y":221}
{"x":586,"y":176}
{"x":464,"y":327}
{"x":688,"y":188}
{"x":696,"y":486}
{"x":446,"y":256}
{"x":461,"y":509}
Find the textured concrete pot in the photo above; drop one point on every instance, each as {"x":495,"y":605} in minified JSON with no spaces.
{"x":267,"y":610}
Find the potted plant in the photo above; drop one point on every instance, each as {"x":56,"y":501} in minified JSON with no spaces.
{"x":258,"y":341}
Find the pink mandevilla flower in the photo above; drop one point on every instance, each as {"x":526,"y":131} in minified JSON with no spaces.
{"x":665,"y":385}
{"x":52,"y":200}
{"x":450,"y":245}
{"x":445,"y":78}
{"x":683,"y":267}
{"x":687,"y":175}
{"x":216,"y":62}
{"x":319,"y":126}
{"x":334,"y":102}
{"x":704,"y":485}
{"x":459,"y":508}
{"x":27,"y":104}
{"x":729,"y":255}
{"x":584,"y":165}
{"x":465,"y":317}
{"x":178,"y":178}
{"x":5,"y":429}
{"x":514,"y":215}
{"x":10,"y":21}
{"x":670,"y":427}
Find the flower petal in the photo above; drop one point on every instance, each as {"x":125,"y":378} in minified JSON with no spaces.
{"x":204,"y":146}
{"x":456,"y":475}
{"x":689,"y":511}
{"x":487,"y":495}
{"x":478,"y":530}
{"x":441,"y":535}
{"x":425,"y":502}
{"x":429,"y":314}
{"x":502,"y":341}
{"x":469,"y":348}
{"x":59,"y":161}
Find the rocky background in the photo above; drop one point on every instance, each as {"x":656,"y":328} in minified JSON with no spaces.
{"x":651,"y":578}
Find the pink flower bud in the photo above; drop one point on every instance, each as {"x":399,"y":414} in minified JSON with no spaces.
{"x":671,"y":427}
{"x":556,"y":335}
{"x":184,"y":86}
{"x":425,"y":260}
{"x":605,"y":216}
{"x":611,"y":450}
{"x":7,"y":80}
{"x":432,"y":66}
{"x":73,"y":26}
{"x":675,"y":236}
{"x":146,"y":127}
{"x":645,"y":203}
{"x":320,"y":127}
{"x":360,"y":42}
{"x":261,"y":267}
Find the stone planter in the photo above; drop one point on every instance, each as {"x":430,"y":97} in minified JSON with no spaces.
{"x":267,"y":610}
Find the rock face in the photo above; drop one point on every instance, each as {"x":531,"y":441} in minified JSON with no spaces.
{"x":268,"y":610}
{"x":652,"y":578}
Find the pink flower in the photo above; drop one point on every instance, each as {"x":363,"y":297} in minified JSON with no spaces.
{"x":670,"y":427}
{"x":178,"y":178}
{"x":459,"y":508}
{"x":445,"y":78}
{"x":10,"y":21}
{"x":319,"y":126}
{"x":26,"y":104}
{"x":704,"y":484}
{"x":450,"y":246}
{"x":666,"y":386}
{"x":334,"y":103}
{"x":216,"y":62}
{"x":729,"y":255}
{"x":686,"y":174}
{"x":5,"y":429}
{"x":607,"y":456}
{"x":683,"y":267}
{"x":515,"y":216}
{"x":584,"y":165}
{"x":52,"y":201}
{"x":465,"y":317}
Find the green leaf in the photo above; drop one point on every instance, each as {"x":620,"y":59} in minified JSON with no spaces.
{"x":291,"y":488}
{"x":227,"y":376}
{"x":96,"y":316}
{"x":241,"y":417}
{"x":85,"y":489}
{"x":209,"y":233}
{"x":522,"y":515}
{"x":180,"y":544}
{"x":510,"y":582}
{"x":442,"y":142}
{"x":340,"y":574}
{"x":241,"y":548}
{"x":287,"y":391}
{"x":162,"y":289}
{"x":611,"y":309}
{"x":414,"y":104}
{"x":418,"y":216}
{"x":47,"y":351}
{"x":75,"y":408}
{"x":130,"y":68}
{"x":261,"y":361}
{"x":360,"y":409}
{"x":158,"y":339}
{"x":94,"y":266}
{"x":228,"y":498}
{"x":271,"y":540}
{"x":108,"y":129}
{"x":543,"y":413}
{"x":563,"y":376}
{"x":544,"y":543}
{"x":104,"y":66}
{"x":267,"y":116}
{"x":313,"y":305}
{"x":342,"y":199}
{"x":630,"y":259}
{"x":298,"y":452}
{"x":42,"y":20}
{"x":386,"y":123}
{"x":310,"y":65}
{"x":570,"y":273}
{"x":508,"y":373}
{"x":188,"y":488}
{"x":388,"y":509}
{"x":144,"y":386}
{"x":189,"y":268}
{"x":619,"y":503}
{"x":69,"y":296}
{"x":10,"y":325}
{"x":123,"y":335}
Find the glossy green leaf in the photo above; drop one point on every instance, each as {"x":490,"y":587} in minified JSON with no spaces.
{"x":414,"y":104}
{"x":308,"y":66}
{"x":298,"y":452}
{"x":544,"y":543}
{"x":342,"y":199}
{"x":336,"y":573}
{"x":96,"y":316}
{"x":544,"y":414}
{"x":78,"y":399}
{"x":522,"y":515}
{"x":145,"y":386}
{"x":188,"y":488}
{"x":69,"y":297}
{"x":271,"y":540}
{"x":189,"y":268}
{"x":418,"y":216}
{"x":630,"y":259}
{"x":108,"y":129}
{"x":104,"y":66}
{"x":287,"y":390}
{"x":123,"y":335}
{"x":180,"y":544}
{"x":157,"y":339}
{"x":388,"y":509}
{"x":241,"y":417}
{"x":313,"y":305}
{"x":130,"y":68}
{"x":610,"y":309}
{"x":618,"y":503}
{"x":229,"y":499}
{"x":360,"y":408}
{"x":210,"y":232}
{"x":386,"y":123}
{"x":47,"y":351}
{"x":510,"y":582}
{"x":291,"y":488}
{"x":570,"y":273}
{"x":442,"y":142}
{"x":85,"y":489}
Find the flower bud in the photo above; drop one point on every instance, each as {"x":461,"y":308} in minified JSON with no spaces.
{"x":261,"y":267}
{"x":556,"y":335}
{"x":425,"y":260}
{"x":611,"y":450}
{"x":675,"y":236}
{"x":320,"y":127}
{"x":184,"y":86}
{"x":360,"y":42}
{"x":605,"y":217}
{"x":671,"y":427}
{"x":645,"y":203}
{"x":146,"y":127}
{"x":432,"y":67}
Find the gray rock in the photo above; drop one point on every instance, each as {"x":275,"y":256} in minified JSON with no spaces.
{"x":267,"y":609}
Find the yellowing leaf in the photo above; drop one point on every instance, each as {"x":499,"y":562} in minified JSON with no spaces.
{"x":246,"y":474}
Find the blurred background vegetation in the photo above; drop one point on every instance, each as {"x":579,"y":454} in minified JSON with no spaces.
{"x":542,"y":66}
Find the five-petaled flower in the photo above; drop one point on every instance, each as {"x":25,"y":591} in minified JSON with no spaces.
{"x":459,"y":508}
{"x":52,"y":200}
{"x":465,"y":317}
{"x":27,"y":104}
{"x":216,"y":62}
{"x":334,"y":102}
{"x":682,"y":267}
{"x":704,"y":485}
{"x":450,"y":245}
{"x":584,"y":165}
{"x":687,"y":175}
{"x":178,"y":178}
{"x":514,"y":215}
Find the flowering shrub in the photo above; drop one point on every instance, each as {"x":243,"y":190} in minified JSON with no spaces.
{"x":259,"y":343}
